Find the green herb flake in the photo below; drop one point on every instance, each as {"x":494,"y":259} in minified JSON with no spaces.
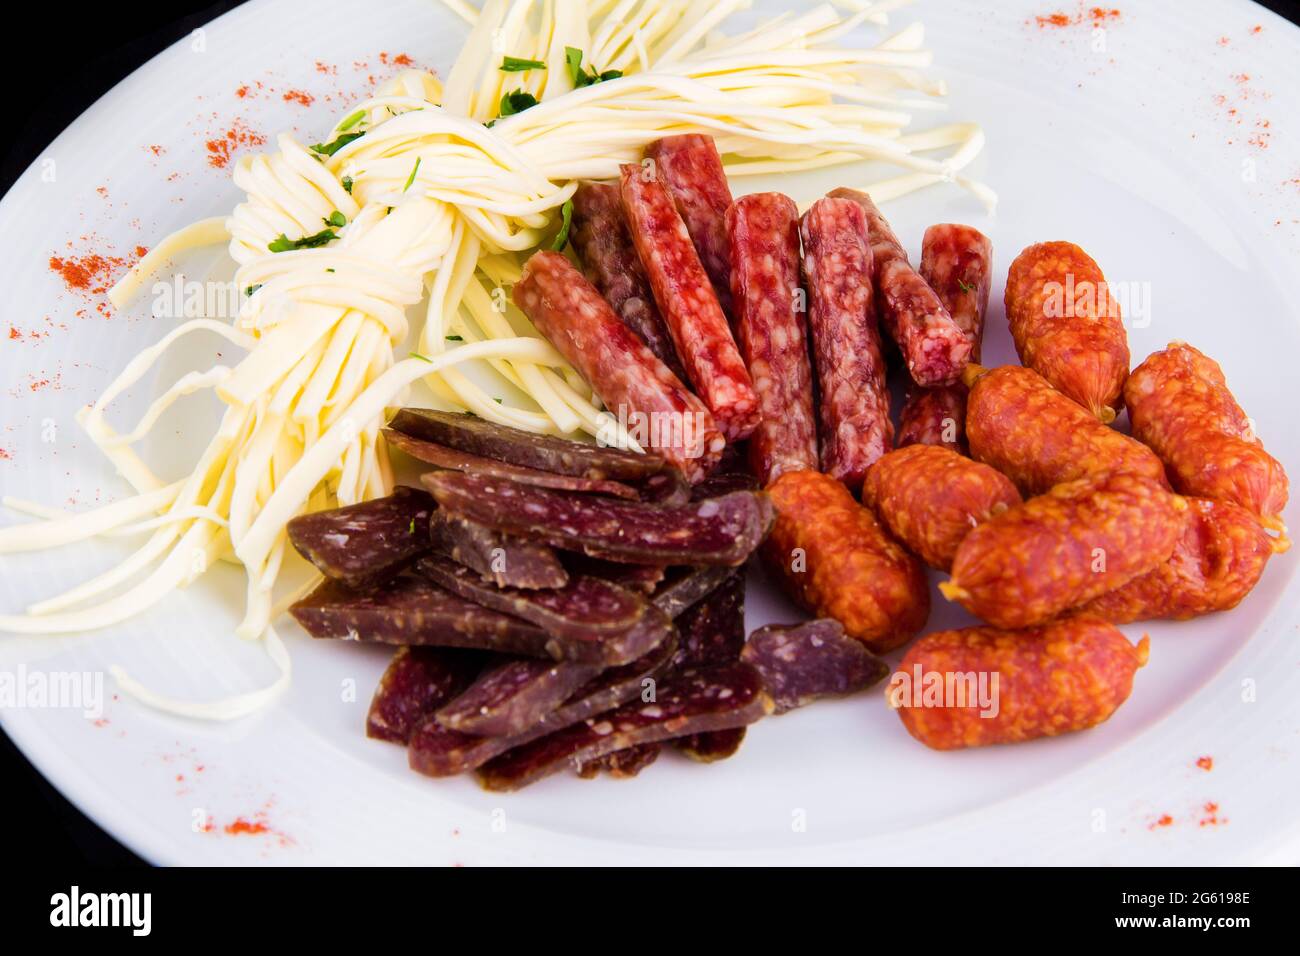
{"x":284,"y":244}
{"x":351,"y":121}
{"x":581,"y":77}
{"x":455,"y":338}
{"x":566,"y":217}
{"x":516,"y":102}
{"x":422,"y":358}
{"x":252,"y":288}
{"x":411,"y":178}
{"x":347,"y":185}
{"x":514,"y":64}
{"x":332,"y":147}
{"x":336,"y":219}
{"x":411,"y":529}
{"x":965,"y":286}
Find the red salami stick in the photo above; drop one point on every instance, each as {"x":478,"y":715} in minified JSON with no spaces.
{"x":854,"y":405}
{"x":691,"y":169}
{"x":957,"y":263}
{"x":600,"y":237}
{"x":934,"y":416}
{"x":689,"y":305}
{"x":764,"y":233}
{"x":634,"y":385}
{"x":933,"y":345}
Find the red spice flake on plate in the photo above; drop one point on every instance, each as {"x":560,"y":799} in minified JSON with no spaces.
{"x":1205,"y":763}
{"x":1211,"y":818}
{"x":301,"y":97}
{"x":1164,"y":820}
{"x":1091,"y":16}
{"x":237,"y":136}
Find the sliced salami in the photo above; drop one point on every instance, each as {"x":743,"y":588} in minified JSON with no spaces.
{"x":691,"y":169}
{"x":707,"y":699}
{"x":510,"y":697}
{"x":933,"y":346}
{"x":504,"y":559}
{"x":637,"y":388}
{"x":438,"y":752}
{"x":367,"y":543}
{"x":712,"y":631}
{"x":688,"y":587}
{"x":770,"y":329}
{"x":643,"y":578}
{"x":622,"y":623}
{"x":559,"y":456}
{"x":416,"y":683}
{"x":689,"y":305}
{"x":621,"y":763}
{"x":854,"y":404}
{"x":600,"y":236}
{"x":450,"y":458}
{"x":715,"y":531}
{"x":800,"y":663}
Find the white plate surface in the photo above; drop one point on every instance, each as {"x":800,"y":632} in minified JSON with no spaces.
{"x":1166,"y":144}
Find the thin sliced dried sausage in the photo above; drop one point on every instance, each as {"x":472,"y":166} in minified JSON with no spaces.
{"x":366,"y":543}
{"x":801,"y":663}
{"x":417,"y":681}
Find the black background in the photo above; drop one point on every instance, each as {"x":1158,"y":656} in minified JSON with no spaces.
{"x":53,"y":68}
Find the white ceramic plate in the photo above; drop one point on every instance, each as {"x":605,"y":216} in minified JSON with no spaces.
{"x":1166,"y":144}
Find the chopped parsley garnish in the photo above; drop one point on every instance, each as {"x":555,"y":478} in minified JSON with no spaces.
{"x":514,"y":64}
{"x":284,"y":243}
{"x":337,"y":219}
{"x":455,"y":338}
{"x":347,"y":185}
{"x":422,"y":358}
{"x":581,"y":77}
{"x":411,"y":178}
{"x":411,"y":529}
{"x":566,"y":217}
{"x":334,"y":145}
{"x":252,"y":288}
{"x":516,"y":102}
{"x":352,"y":121}
{"x":965,"y":286}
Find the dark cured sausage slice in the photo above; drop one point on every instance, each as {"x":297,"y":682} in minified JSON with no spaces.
{"x":622,"y":763}
{"x":559,"y":456}
{"x":599,"y":234}
{"x":689,"y":305}
{"x":691,"y":169}
{"x":586,"y":610}
{"x":715,"y":531}
{"x":707,"y":699}
{"x":712,"y":631}
{"x":934,"y":347}
{"x":689,"y":588}
{"x":439,"y":752}
{"x":772,"y":332}
{"x":413,"y":610}
{"x":512,"y":696}
{"x":366,"y":543}
{"x":417,"y":682}
{"x":504,"y":559}
{"x":803,"y":662}
{"x":853,"y":407}
{"x":637,"y":389}
{"x":450,"y":458}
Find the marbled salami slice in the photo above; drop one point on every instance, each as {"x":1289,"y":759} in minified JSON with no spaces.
{"x":934,"y":347}
{"x":439,"y":752}
{"x":455,"y":460}
{"x":366,"y":543}
{"x":510,"y":697}
{"x":854,"y":402}
{"x":691,"y":169}
{"x":689,"y":305}
{"x":934,"y":416}
{"x":642,"y":578}
{"x":707,"y":699}
{"x":802,"y":662}
{"x":771,"y":331}
{"x":413,"y":610}
{"x":623,"y":624}
{"x":560,"y":456}
{"x":688,"y":587}
{"x":600,"y":237}
{"x":416,"y":683}
{"x":621,"y":764}
{"x":957,"y":263}
{"x":712,"y":630}
{"x":637,"y":389}
{"x":716,"y":531}
{"x":503,"y":559}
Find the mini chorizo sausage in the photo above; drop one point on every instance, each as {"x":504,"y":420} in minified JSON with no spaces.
{"x":1059,"y":550}
{"x":1180,"y":405}
{"x":1054,"y":679}
{"x":1019,"y":424}
{"x":835,"y":560}
{"x":930,"y":497}
{"x":1218,"y":560}
{"x":1067,"y":326}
